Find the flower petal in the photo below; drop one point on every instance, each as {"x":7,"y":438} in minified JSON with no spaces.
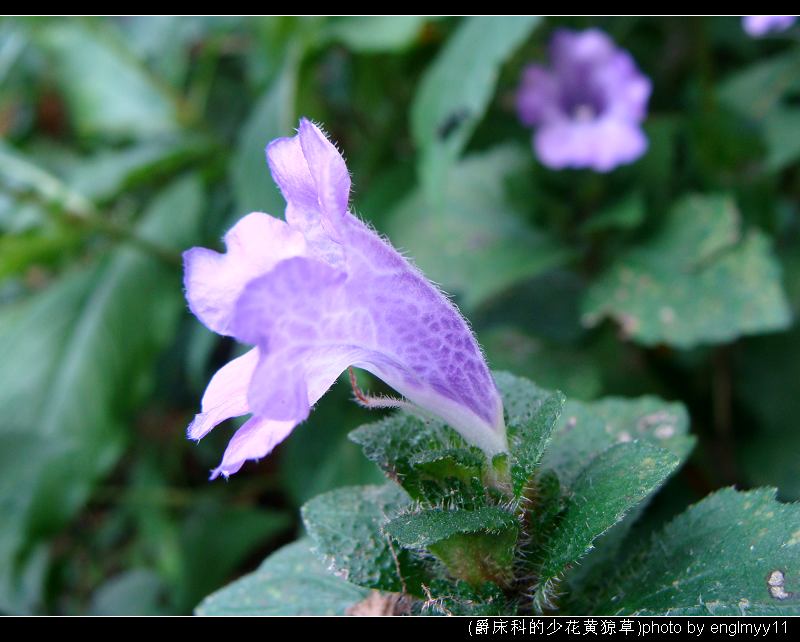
{"x":314,"y":180}
{"x":311,"y":321}
{"x":214,"y":281}
{"x":757,"y":26}
{"x":255,"y":439}
{"x":601,"y":145}
{"x":288,"y":313}
{"x":226,"y":394}
{"x":537,"y":100}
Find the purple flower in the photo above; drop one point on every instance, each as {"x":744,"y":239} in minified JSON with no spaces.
{"x":757,"y":26}
{"x":318,"y":293}
{"x":587,"y":108}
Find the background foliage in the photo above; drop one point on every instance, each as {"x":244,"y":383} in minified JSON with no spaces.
{"x":125,"y":141}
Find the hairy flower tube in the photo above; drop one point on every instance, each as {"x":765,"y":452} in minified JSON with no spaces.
{"x":587,"y":107}
{"x":758,"y":26}
{"x":316,"y":294}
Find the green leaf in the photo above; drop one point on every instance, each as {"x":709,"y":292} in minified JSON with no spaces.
{"x":347,"y":524}
{"x":427,"y":527}
{"x":395,"y":441}
{"x":699,"y":281}
{"x":272,"y":116}
{"x":477,"y":244}
{"x":531,"y":416}
{"x":452,"y":472}
{"x":608,"y":488}
{"x":369,"y":34}
{"x":23,"y":458}
{"x":475,"y":545}
{"x":19,"y":252}
{"x":428,"y":459}
{"x":108,"y":92}
{"x":77,"y":358}
{"x":587,"y":429}
{"x":132,"y":592}
{"x":782,"y":134}
{"x":20,"y":175}
{"x":757,"y":89}
{"x":456,"y":89}
{"x":105,"y":174}
{"x":291,"y":581}
{"x":733,"y":553}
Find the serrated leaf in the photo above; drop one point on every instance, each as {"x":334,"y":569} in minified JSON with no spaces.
{"x":460,"y":598}
{"x":291,"y":581}
{"x":531,"y":416}
{"x":427,"y":458}
{"x":456,"y":89}
{"x":108,"y":91}
{"x":475,"y":243}
{"x":733,"y":553}
{"x":608,"y":488}
{"x":475,"y":545}
{"x":423,"y":528}
{"x":698,"y":281}
{"x":346,"y":526}
{"x":393,"y":442}
{"x":585,"y":429}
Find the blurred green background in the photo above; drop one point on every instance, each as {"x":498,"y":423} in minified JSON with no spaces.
{"x":128,"y":140}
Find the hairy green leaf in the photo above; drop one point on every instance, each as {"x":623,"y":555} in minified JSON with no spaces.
{"x":733,"y":553}
{"x":291,"y":581}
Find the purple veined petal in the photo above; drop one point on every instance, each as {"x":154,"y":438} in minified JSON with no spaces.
{"x":289,"y":313}
{"x":329,"y":172}
{"x":312,"y":321}
{"x":314,"y":180}
{"x":758,"y":26}
{"x":214,"y":281}
{"x":343,"y":297}
{"x":225,"y":395}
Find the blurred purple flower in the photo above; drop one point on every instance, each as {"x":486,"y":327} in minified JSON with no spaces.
{"x":318,"y":293}
{"x":757,"y":26}
{"x":588,"y":106}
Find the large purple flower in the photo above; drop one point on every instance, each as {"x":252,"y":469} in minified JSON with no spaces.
{"x":318,"y":293}
{"x":758,"y":26}
{"x":588,"y":106}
